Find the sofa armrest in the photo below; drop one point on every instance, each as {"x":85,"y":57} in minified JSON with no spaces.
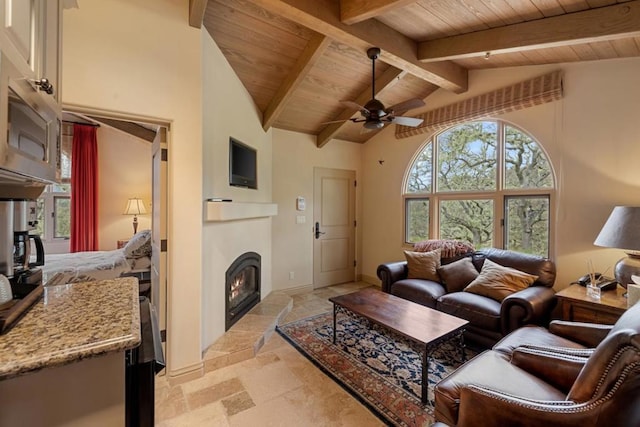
{"x":587,"y":334}
{"x":391,"y":272}
{"x":557,"y":368}
{"x":532,"y":305}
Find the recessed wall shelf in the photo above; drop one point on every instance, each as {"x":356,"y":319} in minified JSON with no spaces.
{"x":233,"y":211}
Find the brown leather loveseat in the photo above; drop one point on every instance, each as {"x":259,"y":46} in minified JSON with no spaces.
{"x":573,"y":374}
{"x":489,"y":319}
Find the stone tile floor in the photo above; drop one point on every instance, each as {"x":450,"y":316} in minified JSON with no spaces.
{"x":255,"y":378}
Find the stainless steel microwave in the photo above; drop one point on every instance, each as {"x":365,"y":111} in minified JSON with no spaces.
{"x":29,"y":127}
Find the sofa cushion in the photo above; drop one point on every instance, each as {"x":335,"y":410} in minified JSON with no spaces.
{"x":542,"y":267}
{"x":423,"y":265}
{"x":498,"y":282}
{"x":478,"y":310}
{"x":423,"y":292}
{"x":486,"y":370}
{"x":457,"y":275}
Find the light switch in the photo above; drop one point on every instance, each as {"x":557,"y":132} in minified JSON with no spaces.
{"x":301,"y":219}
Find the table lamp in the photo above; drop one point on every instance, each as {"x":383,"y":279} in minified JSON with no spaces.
{"x":135,"y":207}
{"x":622,"y":231}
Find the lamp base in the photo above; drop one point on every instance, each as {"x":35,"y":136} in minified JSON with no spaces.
{"x":627,"y":266}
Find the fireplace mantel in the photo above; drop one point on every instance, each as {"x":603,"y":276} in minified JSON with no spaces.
{"x":233,"y":211}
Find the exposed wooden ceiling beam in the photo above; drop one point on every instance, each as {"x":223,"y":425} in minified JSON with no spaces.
{"x":387,"y":80}
{"x":196,"y":12}
{"x":312,"y":52}
{"x":605,"y":23}
{"x":398,"y":50}
{"x":352,"y":11}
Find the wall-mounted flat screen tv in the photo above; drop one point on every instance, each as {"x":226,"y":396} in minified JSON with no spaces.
{"x":242,"y":165}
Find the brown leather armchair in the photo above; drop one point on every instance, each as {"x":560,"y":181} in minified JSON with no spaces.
{"x":573,"y":374}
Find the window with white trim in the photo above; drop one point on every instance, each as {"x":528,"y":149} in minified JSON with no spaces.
{"x":486,"y":182}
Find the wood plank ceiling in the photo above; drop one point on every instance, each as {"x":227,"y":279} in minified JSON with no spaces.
{"x":299,"y":58}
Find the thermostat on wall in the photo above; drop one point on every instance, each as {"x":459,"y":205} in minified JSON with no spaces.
{"x":300,"y":203}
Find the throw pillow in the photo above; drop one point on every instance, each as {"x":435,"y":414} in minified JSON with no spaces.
{"x":498,"y":282}
{"x":139,"y":245}
{"x":423,"y":265}
{"x":450,"y":248}
{"x":458,"y":274}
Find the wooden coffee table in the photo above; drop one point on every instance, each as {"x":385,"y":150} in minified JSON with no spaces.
{"x":420,"y":324}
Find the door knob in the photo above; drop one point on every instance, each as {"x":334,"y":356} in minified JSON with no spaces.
{"x":318,"y":232}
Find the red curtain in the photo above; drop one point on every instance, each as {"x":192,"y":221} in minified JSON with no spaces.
{"x":84,"y":189}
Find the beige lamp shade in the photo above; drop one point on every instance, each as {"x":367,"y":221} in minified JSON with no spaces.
{"x":622,"y":231}
{"x":135,"y":207}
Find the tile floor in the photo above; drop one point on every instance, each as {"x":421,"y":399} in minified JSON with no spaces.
{"x":255,"y":378}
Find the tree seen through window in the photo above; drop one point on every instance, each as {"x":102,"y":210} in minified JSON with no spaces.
{"x":493,"y":185}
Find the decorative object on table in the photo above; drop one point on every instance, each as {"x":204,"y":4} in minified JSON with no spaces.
{"x":135,"y":207}
{"x":633,"y":290}
{"x":622,"y":231}
{"x":378,"y":368}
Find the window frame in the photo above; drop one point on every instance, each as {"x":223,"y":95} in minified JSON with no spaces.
{"x":499,"y":196}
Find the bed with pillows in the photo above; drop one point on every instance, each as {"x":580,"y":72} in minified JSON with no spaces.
{"x":496,"y":290}
{"x":134,"y":259}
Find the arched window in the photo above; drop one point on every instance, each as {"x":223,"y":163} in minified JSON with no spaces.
{"x":486,"y":182}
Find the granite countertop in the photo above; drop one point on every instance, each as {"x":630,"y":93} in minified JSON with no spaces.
{"x":72,"y":322}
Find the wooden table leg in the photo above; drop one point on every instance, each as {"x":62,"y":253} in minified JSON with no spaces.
{"x":464,"y":353}
{"x":425,"y":374}
{"x":334,"y":323}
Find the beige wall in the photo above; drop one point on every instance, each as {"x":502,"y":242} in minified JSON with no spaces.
{"x":294,"y":157}
{"x":592,"y":139}
{"x":141,"y":57}
{"x":124,"y":171}
{"x":229,"y":110}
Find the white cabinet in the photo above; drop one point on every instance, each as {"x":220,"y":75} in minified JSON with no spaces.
{"x":30,"y":38}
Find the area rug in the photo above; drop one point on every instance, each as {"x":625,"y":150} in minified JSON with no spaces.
{"x":377,"y":367}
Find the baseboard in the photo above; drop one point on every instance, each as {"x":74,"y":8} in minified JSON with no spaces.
{"x":298,"y":290}
{"x":371,"y":280}
{"x":186,"y":374}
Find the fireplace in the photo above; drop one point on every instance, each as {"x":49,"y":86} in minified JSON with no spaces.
{"x":242,"y":287}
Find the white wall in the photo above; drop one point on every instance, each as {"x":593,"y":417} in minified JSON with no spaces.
{"x":592,"y":138}
{"x":141,"y":57}
{"x":294,"y":157}
{"x":229,"y":110}
{"x":124,"y":171}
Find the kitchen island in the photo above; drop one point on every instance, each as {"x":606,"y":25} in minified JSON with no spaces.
{"x":63,"y":363}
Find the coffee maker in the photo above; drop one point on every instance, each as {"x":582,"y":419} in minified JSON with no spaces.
{"x":17,"y":222}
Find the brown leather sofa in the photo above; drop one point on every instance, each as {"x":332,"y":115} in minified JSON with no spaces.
{"x":489,"y":320}
{"x":573,"y":374}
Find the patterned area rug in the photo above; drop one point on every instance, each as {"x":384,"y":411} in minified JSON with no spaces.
{"x":377,"y":367}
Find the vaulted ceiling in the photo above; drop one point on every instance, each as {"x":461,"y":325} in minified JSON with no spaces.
{"x":299,"y":58}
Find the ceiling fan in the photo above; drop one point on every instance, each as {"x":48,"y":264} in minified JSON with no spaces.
{"x":374,"y":114}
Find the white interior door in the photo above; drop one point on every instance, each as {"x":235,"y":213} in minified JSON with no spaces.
{"x":159,"y":227}
{"x":334,"y":226}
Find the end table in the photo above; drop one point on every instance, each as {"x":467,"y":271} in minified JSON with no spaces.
{"x":578,"y":307}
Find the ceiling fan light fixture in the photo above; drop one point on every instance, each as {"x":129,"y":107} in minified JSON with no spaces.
{"x":377,"y":124}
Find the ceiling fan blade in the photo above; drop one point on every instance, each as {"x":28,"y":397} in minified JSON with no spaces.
{"x":407,"y":105}
{"x":334,"y":121}
{"x":408,"y":121}
{"x":356,"y":106}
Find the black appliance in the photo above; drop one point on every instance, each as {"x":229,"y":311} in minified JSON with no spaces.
{"x":142,"y":365}
{"x":22,"y":250}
